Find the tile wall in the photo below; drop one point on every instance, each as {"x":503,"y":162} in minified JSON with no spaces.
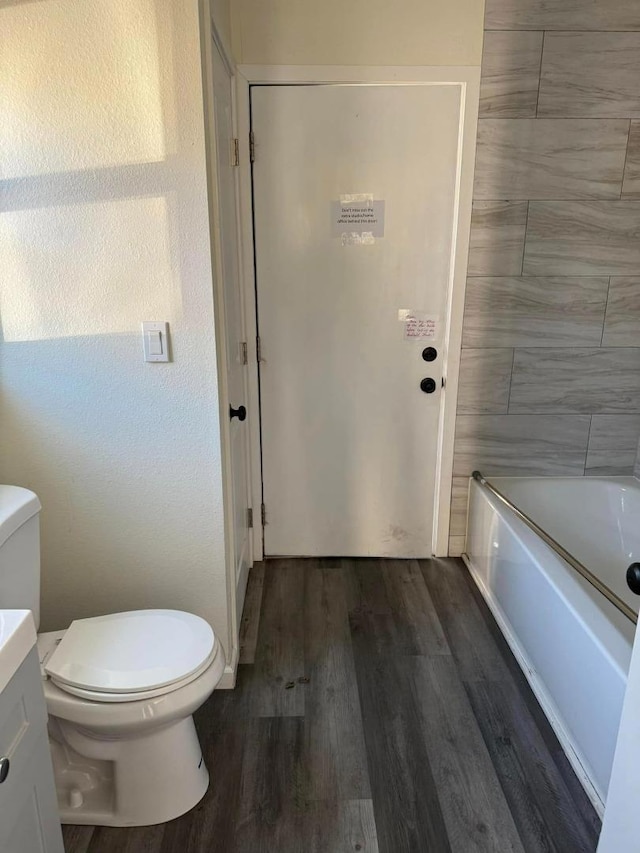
{"x":550,"y":375}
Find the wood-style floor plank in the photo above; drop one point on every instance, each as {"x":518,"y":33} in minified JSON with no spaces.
{"x":130,"y":839}
{"x":474,"y":808}
{"x":584,"y":810}
{"x":271,"y":684}
{"x":366,"y":589}
{"x":77,"y":838}
{"x":274,"y":795}
{"x":251,"y":614}
{"x":413,"y":607}
{"x":395,"y":594}
{"x":340,"y":827}
{"x":471,"y":644}
{"x":405,"y":799}
{"x":542,"y":807}
{"x":336,"y":758}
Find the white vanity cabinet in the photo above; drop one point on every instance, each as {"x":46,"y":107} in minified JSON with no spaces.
{"x":29,"y":821}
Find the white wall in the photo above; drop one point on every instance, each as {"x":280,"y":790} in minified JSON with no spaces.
{"x":104,"y":224}
{"x":358,"y":32}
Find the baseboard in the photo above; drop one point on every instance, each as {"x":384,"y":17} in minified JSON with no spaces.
{"x":228,"y":680}
{"x":538,"y":687}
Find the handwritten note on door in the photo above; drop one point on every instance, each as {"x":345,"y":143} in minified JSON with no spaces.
{"x":418,"y":326}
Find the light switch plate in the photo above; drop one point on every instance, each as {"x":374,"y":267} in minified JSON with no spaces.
{"x":155,"y":340}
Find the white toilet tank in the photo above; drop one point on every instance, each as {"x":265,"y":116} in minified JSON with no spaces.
{"x":20,"y":550}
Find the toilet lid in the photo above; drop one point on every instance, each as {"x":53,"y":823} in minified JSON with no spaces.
{"x":131,"y":652}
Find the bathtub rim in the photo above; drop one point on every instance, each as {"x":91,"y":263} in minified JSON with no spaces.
{"x":499,"y":498}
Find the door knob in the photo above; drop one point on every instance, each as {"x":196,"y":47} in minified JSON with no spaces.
{"x":429,"y":353}
{"x":633,"y":578}
{"x":240,"y":413}
{"x":4,"y":769}
{"x":428,"y":385}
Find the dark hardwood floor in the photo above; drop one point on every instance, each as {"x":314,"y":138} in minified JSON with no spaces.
{"x":378,"y":708}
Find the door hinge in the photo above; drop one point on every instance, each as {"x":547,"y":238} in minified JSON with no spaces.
{"x":258,"y":350}
{"x":235,"y":152}
{"x":244,"y":353}
{"x":249,"y":517}
{"x":252,"y":147}
{"x":263,"y":514}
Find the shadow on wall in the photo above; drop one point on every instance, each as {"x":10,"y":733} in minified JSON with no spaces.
{"x":123,"y":526}
{"x":103,"y":224}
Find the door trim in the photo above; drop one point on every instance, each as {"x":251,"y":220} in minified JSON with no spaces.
{"x":211,"y":41}
{"x":467,"y":78}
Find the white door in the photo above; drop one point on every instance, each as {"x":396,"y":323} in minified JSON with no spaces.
{"x":354,"y":205}
{"x":234,"y":324}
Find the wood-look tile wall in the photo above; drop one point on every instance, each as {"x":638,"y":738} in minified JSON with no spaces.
{"x":550,"y":372}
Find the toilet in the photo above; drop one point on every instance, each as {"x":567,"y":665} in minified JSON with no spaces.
{"x":120,"y":690}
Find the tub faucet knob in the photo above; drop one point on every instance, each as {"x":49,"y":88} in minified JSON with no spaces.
{"x":633,"y":578}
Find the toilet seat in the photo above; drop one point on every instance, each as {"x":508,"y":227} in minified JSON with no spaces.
{"x":97,"y":696}
{"x":125,"y":657}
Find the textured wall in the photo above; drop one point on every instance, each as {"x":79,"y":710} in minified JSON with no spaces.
{"x":357,"y":32}
{"x":550,"y":378}
{"x":104,"y":224}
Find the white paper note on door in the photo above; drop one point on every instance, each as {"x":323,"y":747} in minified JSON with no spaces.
{"x":418,"y":325}
{"x":364,"y":216}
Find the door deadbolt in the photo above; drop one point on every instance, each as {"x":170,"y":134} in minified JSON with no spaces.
{"x":429,"y":353}
{"x":428,"y":385}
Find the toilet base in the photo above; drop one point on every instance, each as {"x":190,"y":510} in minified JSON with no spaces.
{"x":128,"y":781}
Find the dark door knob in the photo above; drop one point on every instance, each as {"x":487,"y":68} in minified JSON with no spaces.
{"x":633,"y":578}
{"x":240,"y":413}
{"x":428,"y":385}
{"x":4,"y":769}
{"x":429,"y":353}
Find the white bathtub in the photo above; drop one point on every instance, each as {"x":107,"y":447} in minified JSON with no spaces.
{"x":572,"y":644}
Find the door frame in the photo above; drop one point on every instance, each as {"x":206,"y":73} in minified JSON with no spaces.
{"x":467,"y":78}
{"x":211,"y":40}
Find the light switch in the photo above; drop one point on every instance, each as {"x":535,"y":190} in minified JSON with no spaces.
{"x":155,"y":343}
{"x":155,"y":338}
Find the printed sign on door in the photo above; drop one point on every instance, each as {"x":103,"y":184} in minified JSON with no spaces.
{"x":357,"y":219}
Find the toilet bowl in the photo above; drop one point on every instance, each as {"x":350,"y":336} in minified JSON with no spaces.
{"x":120,"y":693}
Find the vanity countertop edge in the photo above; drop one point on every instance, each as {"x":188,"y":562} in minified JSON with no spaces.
{"x":17,"y":638}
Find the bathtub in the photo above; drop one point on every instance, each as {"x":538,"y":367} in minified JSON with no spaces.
{"x":573,"y":645}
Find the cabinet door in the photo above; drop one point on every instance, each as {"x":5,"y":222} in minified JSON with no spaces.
{"x":30,"y":822}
